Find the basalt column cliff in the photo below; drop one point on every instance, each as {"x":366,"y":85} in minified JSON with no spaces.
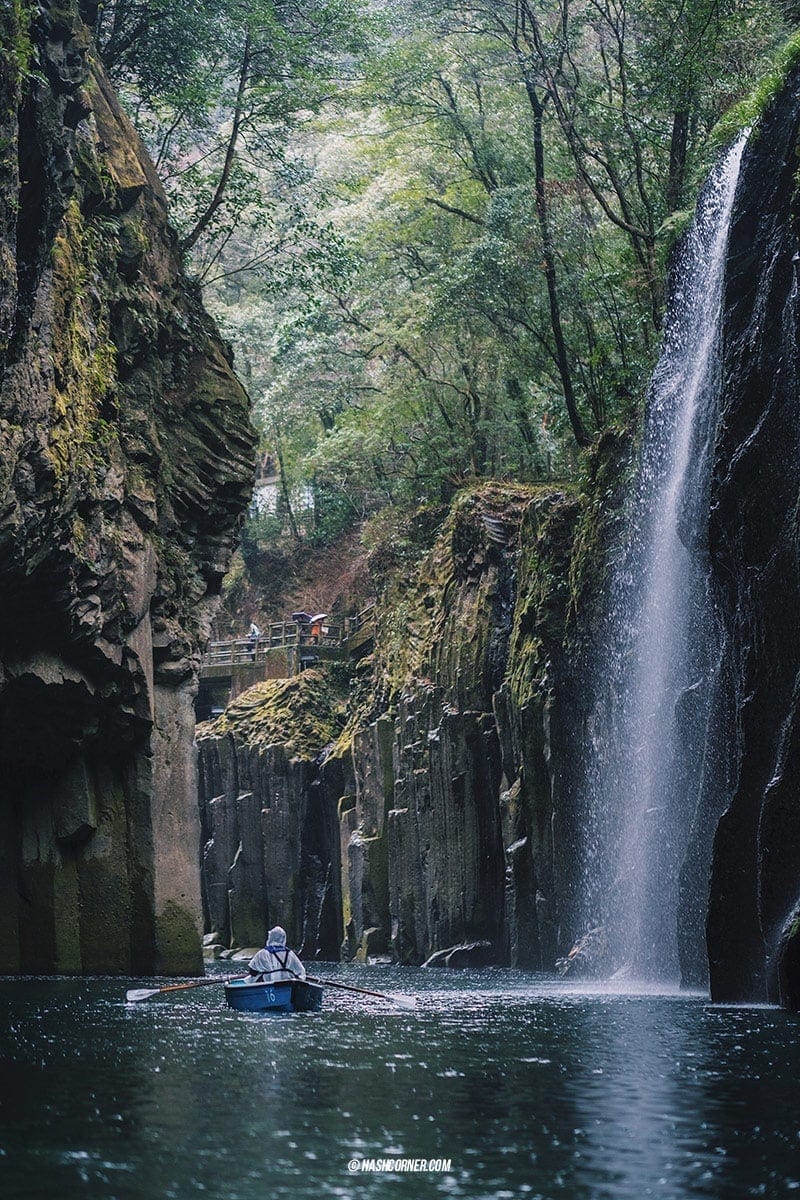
{"x":125,"y":467}
{"x":755,"y":868}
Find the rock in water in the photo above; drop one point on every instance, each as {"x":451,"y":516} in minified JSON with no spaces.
{"x":125,"y":469}
{"x":789,"y":963}
{"x":589,"y":958}
{"x":469,"y":954}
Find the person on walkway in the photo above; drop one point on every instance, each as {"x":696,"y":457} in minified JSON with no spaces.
{"x":276,"y":961}
{"x":254,"y":633}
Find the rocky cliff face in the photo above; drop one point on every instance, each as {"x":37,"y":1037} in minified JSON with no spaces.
{"x":269,"y":827}
{"x":755,"y":546}
{"x":470,"y":855}
{"x":428,"y":823}
{"x":126,"y":463}
{"x":428,"y":789}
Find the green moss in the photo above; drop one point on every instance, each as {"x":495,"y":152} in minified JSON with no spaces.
{"x":21,"y":45}
{"x":304,"y":714}
{"x":98,"y":184}
{"x":547,"y":540}
{"x":84,"y":359}
{"x":440,"y":614}
{"x":747,"y":112}
{"x":605,"y":485}
{"x":417,"y":618}
{"x":133,"y":239}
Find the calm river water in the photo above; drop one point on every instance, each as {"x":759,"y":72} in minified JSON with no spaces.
{"x":529,"y":1089}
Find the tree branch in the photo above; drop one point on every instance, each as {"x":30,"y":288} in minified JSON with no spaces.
{"x":230,"y":154}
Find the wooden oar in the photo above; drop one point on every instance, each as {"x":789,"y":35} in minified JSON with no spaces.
{"x":145,"y":993}
{"x":135,"y":994}
{"x":409,"y":1002}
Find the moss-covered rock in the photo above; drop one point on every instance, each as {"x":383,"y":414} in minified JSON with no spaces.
{"x":460,"y":638}
{"x":125,"y":469}
{"x":303,"y":714}
{"x":270,"y":844}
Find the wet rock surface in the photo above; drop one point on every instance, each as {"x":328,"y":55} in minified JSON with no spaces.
{"x":470,"y":954}
{"x":269,"y":826}
{"x":433,"y":774}
{"x":126,"y":466}
{"x":589,"y":958}
{"x":755,"y":551}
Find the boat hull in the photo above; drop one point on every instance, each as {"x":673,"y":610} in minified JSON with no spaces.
{"x":286,"y":996}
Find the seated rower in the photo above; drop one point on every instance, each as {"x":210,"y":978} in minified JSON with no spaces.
{"x":276,"y":961}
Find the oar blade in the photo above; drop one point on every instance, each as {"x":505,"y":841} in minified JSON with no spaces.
{"x":408,"y":1002}
{"x":140,"y":994}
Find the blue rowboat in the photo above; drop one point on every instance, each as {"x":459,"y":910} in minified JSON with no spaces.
{"x":286,"y":996}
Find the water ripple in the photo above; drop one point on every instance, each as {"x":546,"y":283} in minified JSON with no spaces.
{"x":530,"y":1088}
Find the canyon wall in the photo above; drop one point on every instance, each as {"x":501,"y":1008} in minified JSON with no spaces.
{"x":270,"y":853}
{"x":126,"y":465}
{"x":431,"y":821}
{"x":751,"y":803}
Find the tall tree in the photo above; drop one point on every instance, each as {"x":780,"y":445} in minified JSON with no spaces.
{"x":218,"y":89}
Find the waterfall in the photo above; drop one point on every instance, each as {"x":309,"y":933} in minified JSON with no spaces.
{"x":660,"y":638}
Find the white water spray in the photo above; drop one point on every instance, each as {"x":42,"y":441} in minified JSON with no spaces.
{"x":661,"y":633}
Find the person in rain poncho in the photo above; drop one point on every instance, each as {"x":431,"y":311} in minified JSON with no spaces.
{"x":276,"y":961}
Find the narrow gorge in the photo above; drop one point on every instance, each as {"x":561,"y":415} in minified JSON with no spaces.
{"x":574,"y":745}
{"x":399,"y":599}
{"x":468,"y":806}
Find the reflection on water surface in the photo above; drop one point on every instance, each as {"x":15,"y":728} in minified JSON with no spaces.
{"x":530,"y":1089}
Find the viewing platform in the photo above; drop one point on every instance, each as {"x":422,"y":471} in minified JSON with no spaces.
{"x":285,"y":648}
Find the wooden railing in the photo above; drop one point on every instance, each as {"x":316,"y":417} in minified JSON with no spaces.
{"x":352,"y":625}
{"x":279,"y":636}
{"x":284,"y":635}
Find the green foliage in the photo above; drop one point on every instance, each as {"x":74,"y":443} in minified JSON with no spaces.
{"x":746,"y":113}
{"x":423,"y":355}
{"x":439,"y":251}
{"x":217,"y":89}
{"x":22,"y":47}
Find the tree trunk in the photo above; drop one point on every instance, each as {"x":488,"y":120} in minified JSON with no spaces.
{"x":230,"y":153}
{"x":677,"y":159}
{"x":543,"y":216}
{"x":287,"y":499}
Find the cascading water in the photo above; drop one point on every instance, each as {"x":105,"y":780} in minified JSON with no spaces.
{"x":660,"y":640}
